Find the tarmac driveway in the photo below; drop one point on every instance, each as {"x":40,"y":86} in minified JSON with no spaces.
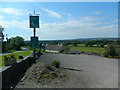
{"x":86,"y":71}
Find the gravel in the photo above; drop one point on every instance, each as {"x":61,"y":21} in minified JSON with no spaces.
{"x":84,"y":71}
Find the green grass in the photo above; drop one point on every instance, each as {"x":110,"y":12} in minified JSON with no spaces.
{"x":27,"y":47}
{"x":24,"y":54}
{"x":89,"y":49}
{"x":9,"y":51}
{"x":70,"y":45}
{"x":81,"y":45}
{"x":118,"y":50}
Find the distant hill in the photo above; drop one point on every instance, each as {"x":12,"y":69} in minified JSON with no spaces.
{"x":108,"y":38}
{"x":94,"y":38}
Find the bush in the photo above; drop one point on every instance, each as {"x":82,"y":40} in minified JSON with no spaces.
{"x":15,"y":43}
{"x":53,"y":74}
{"x":46,"y":76}
{"x":110,"y":51}
{"x":56,"y":64}
{"x":105,"y":54}
{"x":66,"y":49}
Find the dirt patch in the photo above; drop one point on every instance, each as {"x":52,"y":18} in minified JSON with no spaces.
{"x":42,"y":75}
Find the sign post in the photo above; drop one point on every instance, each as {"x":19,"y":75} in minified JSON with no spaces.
{"x":34,"y":42}
{"x":34,"y":23}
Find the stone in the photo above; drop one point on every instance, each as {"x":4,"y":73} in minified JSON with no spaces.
{"x":20,"y":57}
{"x":50,"y":68}
{"x":21,"y":80}
{"x":22,"y":83}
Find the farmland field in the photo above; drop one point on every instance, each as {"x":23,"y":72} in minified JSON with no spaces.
{"x":89,"y":49}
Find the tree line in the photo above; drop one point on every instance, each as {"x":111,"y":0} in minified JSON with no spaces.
{"x":15,"y":43}
{"x":86,"y":43}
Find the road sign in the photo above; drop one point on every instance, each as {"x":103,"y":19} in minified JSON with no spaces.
{"x":34,"y":21}
{"x":34,"y":42}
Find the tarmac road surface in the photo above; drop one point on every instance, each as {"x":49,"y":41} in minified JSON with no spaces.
{"x":86,"y":71}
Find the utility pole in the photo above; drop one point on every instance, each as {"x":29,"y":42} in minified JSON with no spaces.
{"x":1,"y":38}
{"x":7,"y":37}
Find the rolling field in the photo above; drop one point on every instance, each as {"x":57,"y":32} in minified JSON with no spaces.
{"x":89,"y":49}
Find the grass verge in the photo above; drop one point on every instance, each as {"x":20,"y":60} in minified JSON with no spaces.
{"x":24,"y":54}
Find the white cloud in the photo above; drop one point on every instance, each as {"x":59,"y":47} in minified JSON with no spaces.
{"x":68,"y":14}
{"x":89,"y":18}
{"x":52,"y":13}
{"x":1,"y":17}
{"x":15,"y":24}
{"x":13,"y":11}
{"x":110,"y":26}
{"x":65,"y":30}
{"x":76,"y":29}
{"x":97,"y":12}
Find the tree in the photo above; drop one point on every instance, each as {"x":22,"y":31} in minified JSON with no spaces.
{"x":1,"y":33}
{"x":74,"y":43}
{"x":102,"y":45}
{"x":4,"y":49}
{"x":110,"y":51}
{"x":15,"y":43}
{"x":65,"y":43}
{"x":86,"y":43}
{"x":89,"y":43}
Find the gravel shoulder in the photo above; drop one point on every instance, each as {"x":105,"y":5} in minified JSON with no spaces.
{"x":84,"y":71}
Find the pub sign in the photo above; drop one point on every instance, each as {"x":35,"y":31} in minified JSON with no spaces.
{"x":34,"y":21}
{"x":34,"y":42}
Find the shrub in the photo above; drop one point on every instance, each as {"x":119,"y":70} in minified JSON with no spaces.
{"x":12,"y":56}
{"x":53,"y":74}
{"x":56,"y":64}
{"x":105,"y":54}
{"x":66,"y":49}
{"x":110,"y":50}
{"x":6,"y":58}
{"x":9,"y":57}
{"x":46,"y":76}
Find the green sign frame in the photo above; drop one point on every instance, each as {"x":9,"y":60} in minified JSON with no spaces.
{"x":34,"y":42}
{"x":34,"y":21}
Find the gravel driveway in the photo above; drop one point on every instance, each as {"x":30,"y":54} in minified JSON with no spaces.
{"x":86,"y":71}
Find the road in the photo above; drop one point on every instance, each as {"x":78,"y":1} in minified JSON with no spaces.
{"x":87,"y":71}
{"x":13,"y":52}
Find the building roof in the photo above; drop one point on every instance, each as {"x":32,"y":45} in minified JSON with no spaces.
{"x":54,"y":47}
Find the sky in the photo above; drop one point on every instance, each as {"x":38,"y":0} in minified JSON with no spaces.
{"x":61,"y":20}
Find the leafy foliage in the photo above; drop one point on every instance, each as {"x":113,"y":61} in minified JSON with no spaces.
{"x":85,"y":42}
{"x":15,"y":43}
{"x":9,"y":57}
{"x":24,"y":54}
{"x":56,"y":64}
{"x":1,"y":32}
{"x":110,"y":51}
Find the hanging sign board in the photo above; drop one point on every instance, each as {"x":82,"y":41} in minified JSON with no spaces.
{"x":34,"y":21}
{"x":34,"y":42}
